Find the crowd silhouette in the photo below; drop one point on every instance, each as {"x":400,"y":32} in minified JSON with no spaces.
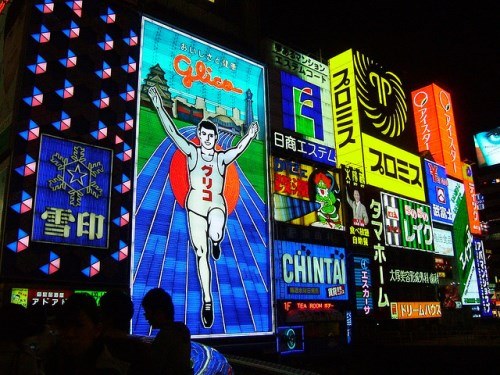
{"x":85,"y":336}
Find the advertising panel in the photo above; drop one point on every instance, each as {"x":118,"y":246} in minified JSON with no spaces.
{"x":482,"y":278}
{"x":443,"y":242}
{"x":310,"y":272}
{"x":410,"y":276}
{"x":407,"y":223}
{"x":345,"y":110}
{"x":304,"y":125}
{"x":470,"y":198}
{"x":435,"y":126}
{"x":487,"y":146}
{"x":392,"y":169}
{"x":363,"y":285}
{"x":463,"y":244}
{"x":304,"y":195}
{"x":69,"y":195}
{"x":437,"y":191}
{"x":73,"y":193}
{"x":358,"y":228}
{"x":201,"y":217}
{"x":415,"y":310}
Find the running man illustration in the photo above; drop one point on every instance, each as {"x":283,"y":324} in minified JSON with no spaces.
{"x":205,"y":204}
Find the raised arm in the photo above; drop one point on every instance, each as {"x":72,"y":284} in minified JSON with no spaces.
{"x":182,"y":143}
{"x":231,"y":154}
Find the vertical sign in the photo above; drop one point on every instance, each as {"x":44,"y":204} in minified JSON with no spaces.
{"x":470,"y":198}
{"x":345,"y":110}
{"x":437,"y":191}
{"x":482,"y":278}
{"x":435,"y":126}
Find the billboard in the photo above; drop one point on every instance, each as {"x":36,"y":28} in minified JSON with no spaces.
{"x":304,"y":126}
{"x":346,"y":115}
{"x":310,"y":272}
{"x":435,"y":126}
{"x":487,"y":146}
{"x":463,"y":244}
{"x":407,"y":223}
{"x":73,"y":194}
{"x":470,"y":198}
{"x":305,"y":195}
{"x":358,"y":228}
{"x":482,"y":278}
{"x":393,"y":169}
{"x":443,"y":242}
{"x":201,"y":215}
{"x":437,"y":191}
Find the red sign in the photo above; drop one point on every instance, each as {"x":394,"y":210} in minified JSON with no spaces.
{"x":435,"y":126}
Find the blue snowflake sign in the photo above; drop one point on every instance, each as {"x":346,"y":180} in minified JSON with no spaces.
{"x":73,"y":193}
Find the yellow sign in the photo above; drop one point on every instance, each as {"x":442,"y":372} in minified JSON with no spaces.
{"x":345,"y":110}
{"x":392,"y":169}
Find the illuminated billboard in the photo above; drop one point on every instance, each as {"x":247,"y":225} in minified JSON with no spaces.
{"x":304,"y":195}
{"x":443,"y":242}
{"x":392,"y":169}
{"x":346,"y":115}
{"x":358,"y":228}
{"x":407,"y":223}
{"x":437,"y":191}
{"x":463,"y":244}
{"x":201,"y":217}
{"x":435,"y":127}
{"x":363,"y":285}
{"x":487,"y":145}
{"x":73,"y":192}
{"x":310,"y":272}
{"x":304,"y":128}
{"x":482,"y":278}
{"x":69,"y":195}
{"x":367,"y":99}
{"x":470,"y":198}
{"x":415,"y":310}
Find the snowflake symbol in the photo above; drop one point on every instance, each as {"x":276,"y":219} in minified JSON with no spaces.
{"x":76,"y":178}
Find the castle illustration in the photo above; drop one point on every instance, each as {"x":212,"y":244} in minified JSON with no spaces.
{"x":180,"y":108}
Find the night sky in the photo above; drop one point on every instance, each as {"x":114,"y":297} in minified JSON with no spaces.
{"x":454,"y":46}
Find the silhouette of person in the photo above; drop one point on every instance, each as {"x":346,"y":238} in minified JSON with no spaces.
{"x":117,"y":310}
{"x":205,"y":203}
{"x":359,"y":214}
{"x":171,"y":347}
{"x":80,"y":348}
{"x":15,"y":358}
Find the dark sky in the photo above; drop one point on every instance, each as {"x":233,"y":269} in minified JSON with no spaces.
{"x":454,"y":46}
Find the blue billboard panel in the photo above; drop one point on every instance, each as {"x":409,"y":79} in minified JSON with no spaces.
{"x":437,"y":190}
{"x":201,"y":216}
{"x":72,"y":199}
{"x":310,"y":272}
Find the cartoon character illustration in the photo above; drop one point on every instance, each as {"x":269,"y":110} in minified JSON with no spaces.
{"x":325,"y":196}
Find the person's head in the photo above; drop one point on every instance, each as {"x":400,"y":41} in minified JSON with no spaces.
{"x":79,"y":324}
{"x":117,"y":310}
{"x":356,"y":195}
{"x":207,"y":134}
{"x":158,"y":307}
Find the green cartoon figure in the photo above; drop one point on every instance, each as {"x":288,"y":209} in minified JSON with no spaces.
{"x":328,"y":202}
